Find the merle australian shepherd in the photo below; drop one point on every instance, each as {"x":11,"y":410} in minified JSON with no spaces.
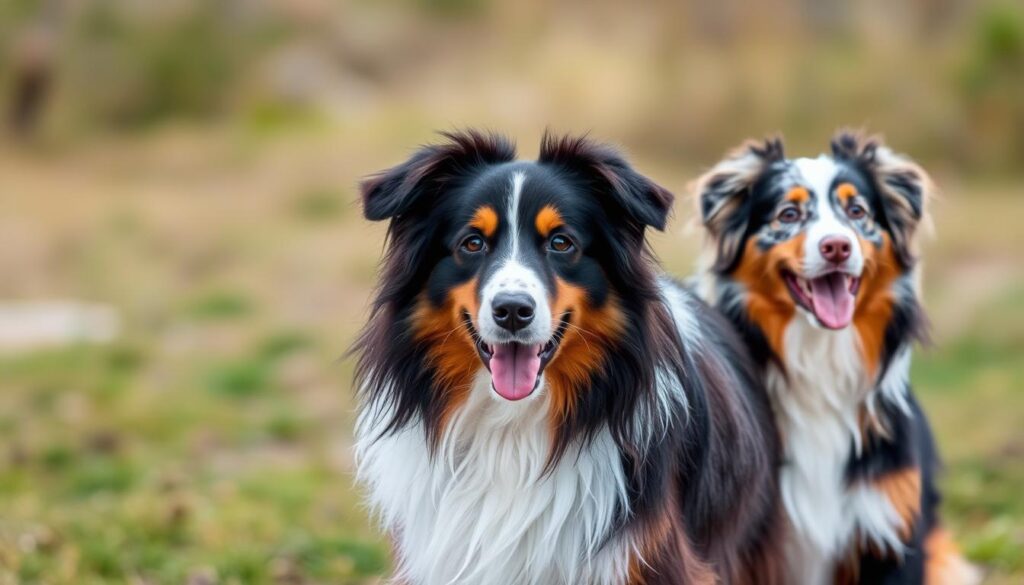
{"x":814,"y":261}
{"x":538,"y":405}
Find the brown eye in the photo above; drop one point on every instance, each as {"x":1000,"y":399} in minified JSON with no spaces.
{"x":472,"y":244}
{"x":561,"y":244}
{"x":856,"y":211}
{"x":789,"y":215}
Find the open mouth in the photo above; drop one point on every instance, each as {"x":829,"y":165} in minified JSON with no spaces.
{"x":829,"y":297}
{"x":516,"y":367}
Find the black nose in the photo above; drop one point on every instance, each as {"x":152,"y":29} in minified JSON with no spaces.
{"x":513,"y":311}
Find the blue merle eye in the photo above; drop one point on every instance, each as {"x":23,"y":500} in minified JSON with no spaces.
{"x":561,"y":244}
{"x":472,"y":244}
{"x":788,"y":214}
{"x":856,"y":211}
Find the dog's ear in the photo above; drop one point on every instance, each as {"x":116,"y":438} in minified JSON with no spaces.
{"x":723,"y":191}
{"x":414,"y":184}
{"x":903,"y":186}
{"x":643,"y":202}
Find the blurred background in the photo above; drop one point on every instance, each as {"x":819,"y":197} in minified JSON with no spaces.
{"x":183,"y":263}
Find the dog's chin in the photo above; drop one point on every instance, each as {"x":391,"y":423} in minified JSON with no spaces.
{"x":515,"y":367}
{"x":830,"y":297}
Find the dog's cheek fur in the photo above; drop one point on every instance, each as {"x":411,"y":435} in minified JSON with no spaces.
{"x":875,"y":300}
{"x":584,"y":349}
{"x":770,"y":305}
{"x":451,"y":355}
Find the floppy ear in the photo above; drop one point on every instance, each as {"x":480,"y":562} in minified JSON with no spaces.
{"x":643,"y":201}
{"x":722,"y":192}
{"x":414,"y":184}
{"x":903,"y":186}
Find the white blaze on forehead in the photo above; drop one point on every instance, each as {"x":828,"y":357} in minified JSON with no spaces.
{"x":514,"y":198}
{"x":818,"y":175}
{"x":514,"y":276}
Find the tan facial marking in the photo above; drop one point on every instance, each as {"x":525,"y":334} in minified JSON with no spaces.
{"x":548,"y":220}
{"x":875,"y":299}
{"x":584,"y":348}
{"x":769,"y":302}
{"x":798,"y":195}
{"x":486,"y":220}
{"x":452,"y":351}
{"x":845,"y":192}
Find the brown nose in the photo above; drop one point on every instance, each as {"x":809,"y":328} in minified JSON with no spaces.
{"x":835,"y":248}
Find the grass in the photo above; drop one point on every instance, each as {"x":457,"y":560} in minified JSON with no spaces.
{"x":220,"y":305}
{"x":228,"y":480}
{"x":211,"y":442}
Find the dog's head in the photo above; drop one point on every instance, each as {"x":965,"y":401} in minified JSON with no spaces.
{"x":531,"y":273}
{"x":827,"y":237}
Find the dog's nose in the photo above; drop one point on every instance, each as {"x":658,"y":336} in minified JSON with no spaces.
{"x":835,"y":248}
{"x":513,"y":311}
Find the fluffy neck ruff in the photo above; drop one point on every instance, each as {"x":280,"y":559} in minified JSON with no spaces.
{"x":826,"y":402}
{"x":485,"y":508}
{"x":511,"y":492}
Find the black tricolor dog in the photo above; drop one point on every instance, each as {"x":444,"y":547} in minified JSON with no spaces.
{"x":538,"y":404}
{"x":814,"y":261}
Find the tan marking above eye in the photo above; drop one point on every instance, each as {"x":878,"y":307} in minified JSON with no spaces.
{"x":548,"y":220}
{"x":486,"y":220}
{"x":798,"y":195}
{"x":845,"y":191}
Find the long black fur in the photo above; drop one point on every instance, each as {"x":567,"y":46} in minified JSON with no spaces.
{"x":716,"y":462}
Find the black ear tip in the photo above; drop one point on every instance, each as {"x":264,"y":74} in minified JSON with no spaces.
{"x":770,"y":149}
{"x":368,"y":191}
{"x":663,"y":200}
{"x":373,"y":215}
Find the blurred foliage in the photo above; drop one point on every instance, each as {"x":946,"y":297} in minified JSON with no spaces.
{"x":685,"y":78}
{"x":992,"y":85}
{"x":220,"y":305}
{"x":100,"y":500}
{"x":126,"y":65}
{"x":320,"y":203}
{"x":131,"y":73}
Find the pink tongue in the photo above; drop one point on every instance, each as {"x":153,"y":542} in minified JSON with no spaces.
{"x":832,"y":300}
{"x":514,"y":369}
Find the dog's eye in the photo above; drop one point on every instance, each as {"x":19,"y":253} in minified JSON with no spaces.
{"x":789,"y":215}
{"x":856,"y":211}
{"x":472,"y":244}
{"x":561,"y":244}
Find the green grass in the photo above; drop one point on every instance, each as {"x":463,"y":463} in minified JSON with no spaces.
{"x":320,"y":204}
{"x":191,"y":486}
{"x":220,"y":305}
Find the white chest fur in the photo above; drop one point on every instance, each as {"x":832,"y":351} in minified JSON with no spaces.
{"x":482,"y":512}
{"x":817,"y":408}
